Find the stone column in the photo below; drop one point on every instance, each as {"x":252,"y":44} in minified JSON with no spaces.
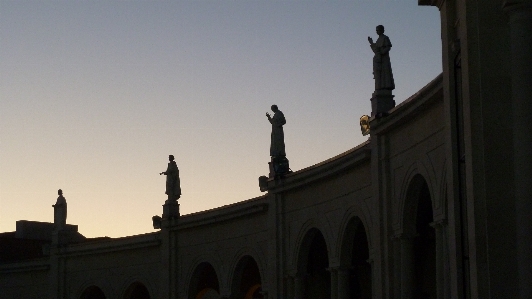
{"x":169,"y":259}
{"x":343,"y":284}
{"x":290,"y":287}
{"x":407,"y":267}
{"x":438,"y":227}
{"x":520,"y":23}
{"x":396,"y":267}
{"x":334,"y":282}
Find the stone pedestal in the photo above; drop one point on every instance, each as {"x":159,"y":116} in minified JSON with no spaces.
{"x":170,"y":209}
{"x":381,"y":102}
{"x":60,"y":237}
{"x":278,"y":166}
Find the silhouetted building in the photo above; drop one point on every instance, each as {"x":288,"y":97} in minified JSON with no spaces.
{"x":436,"y":204}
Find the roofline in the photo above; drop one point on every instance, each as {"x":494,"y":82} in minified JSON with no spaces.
{"x":410,"y":107}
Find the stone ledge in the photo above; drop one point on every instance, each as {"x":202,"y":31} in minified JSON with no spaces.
{"x":412,"y":106}
{"x":110,"y":245}
{"x":322,"y":170}
{"x":43,"y":264}
{"x":220,"y":215}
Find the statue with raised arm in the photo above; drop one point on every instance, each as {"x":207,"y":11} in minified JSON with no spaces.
{"x":382,"y":67}
{"x":173,"y":185}
{"x":60,"y":211}
{"x":277,"y":138}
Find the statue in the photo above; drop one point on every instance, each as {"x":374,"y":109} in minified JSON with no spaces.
{"x":173,"y":185}
{"x":382,"y":67}
{"x":277,"y":138}
{"x":60,"y":211}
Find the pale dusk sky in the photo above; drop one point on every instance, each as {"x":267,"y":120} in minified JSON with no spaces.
{"x":94,"y":96}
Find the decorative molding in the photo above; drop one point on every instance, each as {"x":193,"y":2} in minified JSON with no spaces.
{"x":409,"y":108}
{"x":512,"y":5}
{"x":437,"y":3}
{"x":320,"y":171}
{"x":232,"y":212}
{"x":110,"y":245}
{"x":41,"y":265}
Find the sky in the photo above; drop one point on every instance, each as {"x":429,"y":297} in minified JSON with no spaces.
{"x":94,"y":96}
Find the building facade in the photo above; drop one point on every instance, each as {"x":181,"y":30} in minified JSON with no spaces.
{"x":436,"y":204}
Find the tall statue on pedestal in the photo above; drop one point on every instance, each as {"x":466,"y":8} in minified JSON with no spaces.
{"x":173,"y":185}
{"x":60,"y":211}
{"x":382,"y":67}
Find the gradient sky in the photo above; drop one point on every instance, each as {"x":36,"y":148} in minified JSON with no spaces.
{"x":94,"y":96}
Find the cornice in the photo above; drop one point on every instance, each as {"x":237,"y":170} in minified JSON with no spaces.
{"x":412,"y":106}
{"x":327,"y":168}
{"x":224,"y":213}
{"x":25,"y":266}
{"x":110,"y":245}
{"x":437,"y":3}
{"x":515,"y":5}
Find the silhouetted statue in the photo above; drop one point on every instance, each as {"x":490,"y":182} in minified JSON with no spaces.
{"x":277,"y":137}
{"x":173,"y":185}
{"x":60,"y":211}
{"x":382,"y":67}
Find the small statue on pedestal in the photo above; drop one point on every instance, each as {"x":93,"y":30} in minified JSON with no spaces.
{"x":173,"y":190}
{"x":60,"y":211}
{"x":279,"y":163}
{"x":173,"y":185}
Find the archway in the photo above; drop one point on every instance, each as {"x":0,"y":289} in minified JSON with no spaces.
{"x":419,"y":250}
{"x":204,"y":283}
{"x":92,"y":292}
{"x":314,"y":281}
{"x":354,"y":274}
{"x":424,"y":248}
{"x":246,"y":280}
{"x":136,"y":291}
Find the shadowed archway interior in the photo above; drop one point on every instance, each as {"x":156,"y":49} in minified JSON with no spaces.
{"x":419,"y":268}
{"x":354,"y":273}
{"x":204,"y":282}
{"x":360,"y":272}
{"x":313,"y":266}
{"x":424,"y":248}
{"x":137,"y":291}
{"x":93,"y":292}
{"x":246,"y":280}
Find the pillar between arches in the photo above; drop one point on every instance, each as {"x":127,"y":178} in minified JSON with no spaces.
{"x":343,"y":283}
{"x":442,"y":280}
{"x":406,"y":265}
{"x":334,"y":282}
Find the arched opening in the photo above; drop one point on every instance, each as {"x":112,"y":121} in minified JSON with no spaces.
{"x":136,"y":291}
{"x":246,"y":280}
{"x":204,"y":283}
{"x":360,"y":278}
{"x":354,"y":274}
{"x":424,"y":248}
{"x":313,"y":264}
{"x":92,"y":292}
{"x":418,"y":249}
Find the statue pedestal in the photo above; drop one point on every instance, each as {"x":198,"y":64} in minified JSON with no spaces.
{"x":170,"y":209}
{"x":278,"y":166}
{"x":381,"y":102}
